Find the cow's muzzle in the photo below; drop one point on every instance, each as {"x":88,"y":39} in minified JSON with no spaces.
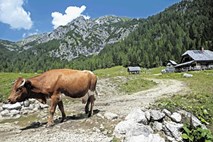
{"x":10,"y":101}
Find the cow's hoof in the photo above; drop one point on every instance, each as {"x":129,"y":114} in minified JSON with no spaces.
{"x":90,"y":114}
{"x":86,"y":110}
{"x":63,"y":120}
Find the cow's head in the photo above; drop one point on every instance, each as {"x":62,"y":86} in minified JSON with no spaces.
{"x":19,"y":90}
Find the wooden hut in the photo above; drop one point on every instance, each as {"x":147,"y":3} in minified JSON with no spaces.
{"x":195,"y":60}
{"x":134,"y":70}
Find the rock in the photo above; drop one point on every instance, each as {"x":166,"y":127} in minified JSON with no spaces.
{"x":95,"y":129}
{"x":167,"y":112}
{"x":142,"y":138}
{"x":24,"y":112}
{"x":26,"y":103}
{"x":137,"y":115}
{"x":32,"y":101}
{"x":12,"y":106}
{"x":14,"y":112}
{"x":105,"y":132}
{"x":170,"y":139}
{"x":176,"y":117}
{"x":31,"y":107}
{"x":37,"y":107}
{"x":157,"y":126}
{"x":25,"y":108}
{"x":148,"y":116}
{"x":131,"y":128}
{"x":110,"y":115}
{"x":102,"y":127}
{"x":1,"y":109}
{"x":5,"y":113}
{"x":44,"y":106}
{"x":173,"y":129}
{"x":187,"y":75}
{"x":100,"y":115}
{"x":156,"y":115}
{"x":195,"y":121}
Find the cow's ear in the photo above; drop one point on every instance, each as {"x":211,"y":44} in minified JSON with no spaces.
{"x":28,"y":84}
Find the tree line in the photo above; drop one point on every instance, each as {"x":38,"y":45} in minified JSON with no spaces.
{"x":166,"y":36}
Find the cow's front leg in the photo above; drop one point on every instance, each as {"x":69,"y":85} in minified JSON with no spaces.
{"x":61,"y":108}
{"x":87,"y":106}
{"x":54,"y":102}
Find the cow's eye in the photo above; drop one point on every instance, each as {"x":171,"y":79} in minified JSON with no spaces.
{"x":19,"y":89}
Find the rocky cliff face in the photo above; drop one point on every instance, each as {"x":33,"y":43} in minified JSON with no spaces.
{"x":83,"y":36}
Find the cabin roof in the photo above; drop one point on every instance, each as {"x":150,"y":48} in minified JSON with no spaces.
{"x":199,"y":55}
{"x":132,"y":69}
{"x":184,"y":64}
{"x":172,"y":62}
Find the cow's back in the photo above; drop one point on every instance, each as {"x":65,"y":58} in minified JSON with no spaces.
{"x":73,"y":83}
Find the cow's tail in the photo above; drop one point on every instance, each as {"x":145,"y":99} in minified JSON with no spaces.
{"x":93,"y":83}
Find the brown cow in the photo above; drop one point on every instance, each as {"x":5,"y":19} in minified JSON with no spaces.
{"x":52,"y":84}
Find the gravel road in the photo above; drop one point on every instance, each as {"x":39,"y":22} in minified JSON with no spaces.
{"x":79,"y":128}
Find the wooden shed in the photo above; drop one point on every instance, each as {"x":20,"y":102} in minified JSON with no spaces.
{"x":195,"y":60}
{"x":134,"y":70}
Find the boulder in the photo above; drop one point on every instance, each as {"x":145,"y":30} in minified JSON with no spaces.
{"x":187,"y":75}
{"x":148,"y":116}
{"x":157,"y":126}
{"x":26,"y":103}
{"x":36,"y":107}
{"x":32,"y":101}
{"x":173,"y":129}
{"x":167,"y":112}
{"x":195,"y":121}
{"x":131,"y":128}
{"x":137,"y":115}
{"x":14,"y":112}
{"x":156,"y":115}
{"x":176,"y":117}
{"x":12,"y":106}
{"x":44,"y":106}
{"x":31,"y":106}
{"x":142,"y":138}
{"x":100,"y":115}
{"x":110,"y":115}
{"x":5,"y":113}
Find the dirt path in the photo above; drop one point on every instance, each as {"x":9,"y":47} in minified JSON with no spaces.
{"x":96,"y":128}
{"x":122,"y":104}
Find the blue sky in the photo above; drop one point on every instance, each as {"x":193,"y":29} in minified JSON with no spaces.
{"x":21,"y":18}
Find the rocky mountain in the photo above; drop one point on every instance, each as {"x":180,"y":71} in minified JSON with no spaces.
{"x":82,"y":36}
{"x":108,"y":41}
{"x":11,"y":46}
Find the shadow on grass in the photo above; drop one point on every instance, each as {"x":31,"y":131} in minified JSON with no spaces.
{"x":35,"y":125}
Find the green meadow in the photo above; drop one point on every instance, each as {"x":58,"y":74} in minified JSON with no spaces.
{"x":199,"y":100}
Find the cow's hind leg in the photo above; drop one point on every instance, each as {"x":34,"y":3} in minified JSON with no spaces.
{"x":87,"y":106}
{"x":91,"y":101}
{"x":61,"y":108}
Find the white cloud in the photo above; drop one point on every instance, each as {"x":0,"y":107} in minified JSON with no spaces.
{"x":12,"y":13}
{"x":71,"y":13}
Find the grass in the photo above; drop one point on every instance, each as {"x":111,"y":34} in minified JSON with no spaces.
{"x":199,"y":101}
{"x":111,"y":72}
{"x":7,"y":80}
{"x":136,"y":84}
{"x":133,"y":83}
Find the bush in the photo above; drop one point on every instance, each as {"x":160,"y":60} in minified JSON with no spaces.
{"x":191,"y":134}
